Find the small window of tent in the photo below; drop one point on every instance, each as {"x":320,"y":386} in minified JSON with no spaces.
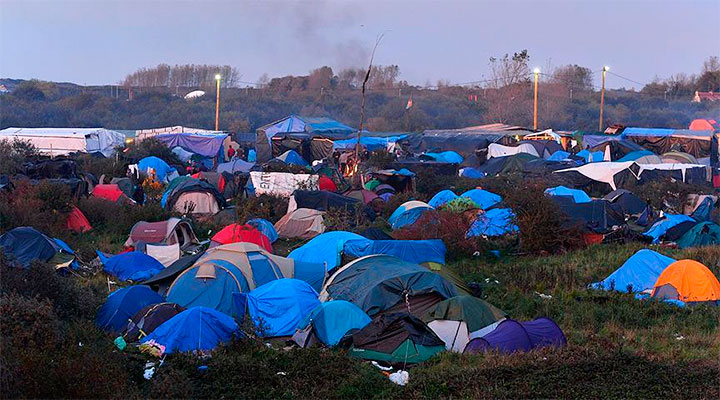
{"x":263,"y":269}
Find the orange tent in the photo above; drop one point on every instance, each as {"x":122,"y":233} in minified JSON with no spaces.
{"x":77,"y":222}
{"x":703,"y":125}
{"x":688,"y":281}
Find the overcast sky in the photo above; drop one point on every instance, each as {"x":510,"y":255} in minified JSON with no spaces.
{"x":100,"y":42}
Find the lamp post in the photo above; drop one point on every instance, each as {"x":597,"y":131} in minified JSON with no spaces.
{"x":536,"y":71}
{"x":217,"y":103}
{"x":602,"y":97}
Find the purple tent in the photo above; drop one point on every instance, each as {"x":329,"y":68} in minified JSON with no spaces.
{"x":511,"y":336}
{"x":207,"y":145}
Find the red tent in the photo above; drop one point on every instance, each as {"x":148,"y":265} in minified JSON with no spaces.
{"x":109,"y":192}
{"x":235,"y":233}
{"x":77,"y":222}
{"x":325,"y":183}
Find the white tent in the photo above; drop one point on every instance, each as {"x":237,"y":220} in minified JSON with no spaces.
{"x":61,"y":141}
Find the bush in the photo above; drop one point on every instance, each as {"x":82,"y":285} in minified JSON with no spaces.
{"x":271,"y":208}
{"x":14,"y":154}
{"x":450,"y":227}
{"x":110,"y":167}
{"x":43,"y":206}
{"x":117,"y":218}
{"x":150,"y":147}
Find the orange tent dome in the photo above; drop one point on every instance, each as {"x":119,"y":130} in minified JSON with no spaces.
{"x":688,"y":281}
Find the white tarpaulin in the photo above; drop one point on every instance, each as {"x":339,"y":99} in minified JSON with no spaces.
{"x":498,"y":150}
{"x":62,"y":141}
{"x":601,"y":171}
{"x":281,"y":184}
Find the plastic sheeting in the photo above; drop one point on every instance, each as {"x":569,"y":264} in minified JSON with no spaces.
{"x":131,"y":266}
{"x":482,"y":198}
{"x":495,"y":222}
{"x":235,"y":166}
{"x":334,"y":319}
{"x":577,"y":195}
{"x":325,"y":248}
{"x":498,"y":150}
{"x":207,"y":145}
{"x":280,"y":184}
{"x":415,"y":251}
{"x":441,"y":198}
{"x":279,"y":306}
{"x":602,"y":171}
{"x":660,"y":227}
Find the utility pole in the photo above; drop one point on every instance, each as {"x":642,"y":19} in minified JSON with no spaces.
{"x":217,"y":103}
{"x":602,"y":97}
{"x":535,"y":112}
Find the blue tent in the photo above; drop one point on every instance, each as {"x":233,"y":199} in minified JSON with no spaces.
{"x":659,"y":228}
{"x":131,"y":266}
{"x":634,"y":155}
{"x":320,"y":126}
{"x":442,"y":197}
{"x":371,"y":143}
{"x":472,"y":173}
{"x":704,"y":210}
{"x":195,"y":329}
{"x":577,"y":195}
{"x":482,"y":198}
{"x":449,"y":157}
{"x":26,"y":244}
{"x":252,"y":156}
{"x":559,"y":156}
{"x":639,"y":272}
{"x":264,"y":226}
{"x":324,"y":248}
{"x":121,"y":305}
{"x":334,"y":319}
{"x":163,"y":171}
{"x":279,"y":306}
{"x":292,"y":157}
{"x":495,"y":222}
{"x":590,"y":157}
{"x":415,"y":251}
{"x":407,"y":213}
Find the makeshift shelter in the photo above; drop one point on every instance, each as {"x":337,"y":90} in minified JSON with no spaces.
{"x":321,"y":200}
{"x":131,"y":266}
{"x":76,"y":221}
{"x":577,"y":196}
{"x":459,"y":319}
{"x":659,"y":228}
{"x":638,"y":274}
{"x":366,"y":196}
{"x":163,"y":172}
{"x":498,"y":150}
{"x":302,"y":223}
{"x":291,"y":157}
{"x":614,"y":149}
{"x":407,"y":213}
{"x":702,"y":234}
{"x":325,"y":248}
{"x":235,"y":233}
{"x":449,"y":157}
{"x":122,"y":305}
{"x":611,"y":173}
{"x":393,"y":181}
{"x":301,"y":128}
{"x":235,"y":166}
{"x":687,"y":281}
{"x":398,"y":339}
{"x":598,"y":216}
{"x":482,"y":198}
{"x":511,"y":336}
{"x":150,"y":317}
{"x":279,"y":306}
{"x":193,"y":196}
{"x":626,"y":201}
{"x":264,"y":226}
{"x":495,"y":222}
{"x":591,"y":156}
{"x":281,"y":184}
{"x":380,"y":283}
{"x":25,"y":244}
{"x":371,"y":143}
{"x":518,"y":163}
{"x":63,"y":141}
{"x":660,"y":141}
{"x":234,"y":268}
{"x":414,"y":251}
{"x":174,"y":231}
{"x":195,"y":329}
{"x":205,"y":143}
{"x":700,"y":207}
{"x":329,"y":322}
{"x":111,"y":192}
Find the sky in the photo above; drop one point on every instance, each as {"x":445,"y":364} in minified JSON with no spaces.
{"x":100,"y":42}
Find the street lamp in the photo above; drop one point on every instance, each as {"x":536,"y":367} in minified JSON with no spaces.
{"x":602,"y":97}
{"x":217,"y":103}
{"x":536,"y":71}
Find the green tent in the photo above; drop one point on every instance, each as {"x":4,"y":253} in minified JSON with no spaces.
{"x":702,"y":234}
{"x":450,"y":275}
{"x":459,"y":319}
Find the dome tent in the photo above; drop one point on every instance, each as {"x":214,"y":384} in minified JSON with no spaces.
{"x":302,"y":223}
{"x":195,"y":329}
{"x":511,"y":336}
{"x":329,"y":322}
{"x":122,"y":304}
{"x":638,"y":273}
{"x":279,"y":306}
{"x":131,"y":266}
{"x":459,"y":319}
{"x":163,"y":171}
{"x":482,"y":198}
{"x":324,"y":248}
{"x":578,"y":196}
{"x":408,"y":213}
{"x":26,"y":244}
{"x":264,"y":226}
{"x":235,"y":233}
{"x":150,"y":317}
{"x":687,"y":281}
{"x":702,"y":234}
{"x":441,"y":198}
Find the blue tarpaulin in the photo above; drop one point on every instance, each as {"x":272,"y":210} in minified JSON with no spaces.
{"x":559,"y":156}
{"x":163,"y":171}
{"x":591,"y":157}
{"x":334,"y":319}
{"x":416,"y":251}
{"x":264,"y":226}
{"x":495,"y":222}
{"x":449,"y":157}
{"x":131,"y":266}
{"x":441,"y":198}
{"x":195,"y":329}
{"x":371,"y":143}
{"x":320,"y":126}
{"x":638,"y":273}
{"x":235,"y":166}
{"x":472,"y":173}
{"x":324,"y":248}
{"x":482,"y":198}
{"x":577,"y":195}
{"x":660,"y":227}
{"x":279,"y":306}
{"x":208,"y":145}
{"x":292,"y":157}
{"x":121,"y":305}
{"x":407,"y":214}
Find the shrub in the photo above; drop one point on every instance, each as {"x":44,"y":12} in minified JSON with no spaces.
{"x":43,"y":206}
{"x":271,"y":208}
{"x":110,"y":167}
{"x":14,"y":154}
{"x":450,"y":227}
{"x":150,"y":147}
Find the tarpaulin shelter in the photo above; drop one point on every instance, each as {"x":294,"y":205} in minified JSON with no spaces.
{"x":63,"y":141}
{"x":544,"y":148}
{"x":193,"y":195}
{"x":615,"y":148}
{"x":111,"y":192}
{"x":498,"y":150}
{"x":76,"y":221}
{"x":482,"y":198}
{"x":122,"y":304}
{"x":302,"y":223}
{"x":577,"y":196}
{"x":379,"y":283}
{"x":660,"y":141}
{"x":638,"y":274}
{"x":459,"y":319}
{"x":235,"y":268}
{"x":689,"y":173}
{"x":371,"y":143}
{"x":205,"y":144}
{"x":164,"y":172}
{"x":398,"y":339}
{"x":591,"y":156}
{"x":325,"y":248}
{"x":688,"y":281}
{"x":702,"y":234}
{"x":414,"y":251}
{"x":264,"y":226}
{"x":598,"y":216}
{"x":495,"y":222}
{"x":448,"y":157}
{"x":195,"y":329}
{"x":400,"y":180}
{"x":642,"y":157}
{"x":235,"y":166}
{"x":613,"y":174}
{"x":626,"y":201}
{"x":321,"y":200}
{"x":407,"y":213}
{"x":441,"y":198}
{"x":279,"y":306}
{"x":511,"y":336}
{"x":48,"y":169}
{"x":235,"y":233}
{"x":518,"y":163}
{"x":294,"y":125}
{"x":131,"y":266}
{"x":329,"y":322}
{"x":291,"y":157}
{"x":281,"y":184}
{"x":150,"y":317}
{"x":26,"y":244}
{"x":464,"y":141}
{"x":659,"y":228}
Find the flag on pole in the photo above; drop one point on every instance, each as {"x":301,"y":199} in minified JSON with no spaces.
{"x":409,"y":104}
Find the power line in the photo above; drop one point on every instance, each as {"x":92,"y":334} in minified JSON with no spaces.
{"x":627,"y":79}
